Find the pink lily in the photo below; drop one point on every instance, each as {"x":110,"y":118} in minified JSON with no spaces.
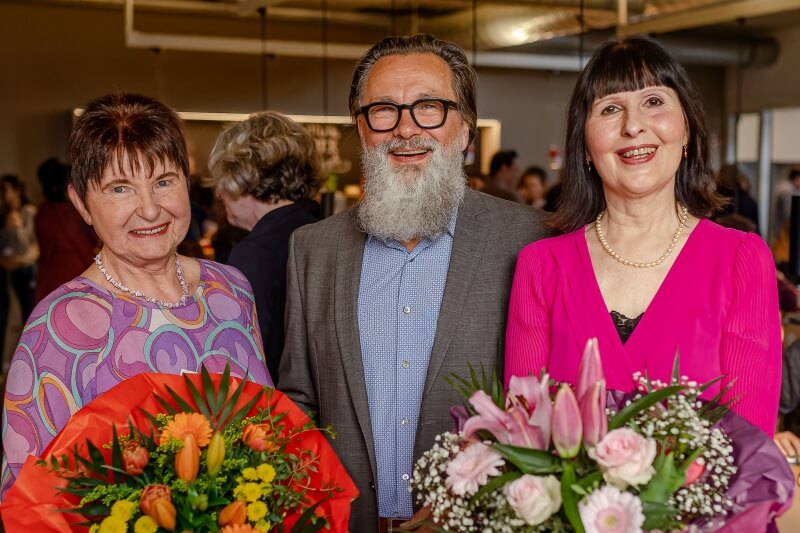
{"x":507,"y":427}
{"x":533,"y":396}
{"x":591,"y":369}
{"x":593,"y":414}
{"x":567,"y":425}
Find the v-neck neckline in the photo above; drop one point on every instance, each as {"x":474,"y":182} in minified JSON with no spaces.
{"x":599,"y":300}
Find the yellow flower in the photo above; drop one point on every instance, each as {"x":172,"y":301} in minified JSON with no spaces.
{"x":113,"y":524}
{"x":250,"y":473}
{"x":184,"y":424}
{"x":123,"y":509}
{"x":263,"y":526}
{"x":251,"y":492}
{"x":145,"y":524}
{"x":256,"y":511}
{"x":266,"y":472}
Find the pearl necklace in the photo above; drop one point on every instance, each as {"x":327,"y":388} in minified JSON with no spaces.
{"x":138,"y":294}
{"x":683,"y":215}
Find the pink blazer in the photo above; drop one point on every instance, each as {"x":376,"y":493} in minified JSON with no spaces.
{"x":717,"y":307}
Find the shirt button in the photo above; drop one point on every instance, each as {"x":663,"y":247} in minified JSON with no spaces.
{"x":405,"y":477}
{"x":406,"y":309}
{"x":404,"y":421}
{"x":406,"y":364}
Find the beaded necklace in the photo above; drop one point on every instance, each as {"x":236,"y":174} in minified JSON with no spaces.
{"x":138,"y":294}
{"x":683,"y":215}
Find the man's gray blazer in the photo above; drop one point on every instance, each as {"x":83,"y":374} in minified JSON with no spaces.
{"x":321,"y":368}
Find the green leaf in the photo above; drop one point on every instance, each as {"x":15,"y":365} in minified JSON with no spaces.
{"x":645,"y":402}
{"x":304,"y":525}
{"x":496,"y":482}
{"x":208,"y":390}
{"x":528,"y":460}
{"x":676,"y":368}
{"x":116,"y":451}
{"x":569,"y":498}
{"x":667,"y":479}
{"x":197,"y":397}
{"x":182,"y":404}
{"x":660,"y":516}
{"x":705,"y":386}
{"x":577,"y":489}
{"x":590,"y":480}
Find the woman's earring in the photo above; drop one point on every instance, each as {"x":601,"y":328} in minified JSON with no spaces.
{"x":589,"y":164}
{"x":685,"y":151}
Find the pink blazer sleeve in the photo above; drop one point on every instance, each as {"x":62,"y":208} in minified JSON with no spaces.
{"x":528,"y":328}
{"x":751,"y":337}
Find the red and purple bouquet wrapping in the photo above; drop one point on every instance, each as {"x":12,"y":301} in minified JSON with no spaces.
{"x":198,"y":452}
{"x":588,"y":460}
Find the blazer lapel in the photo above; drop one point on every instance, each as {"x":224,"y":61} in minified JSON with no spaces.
{"x":468,"y":244}
{"x":349,"y":256}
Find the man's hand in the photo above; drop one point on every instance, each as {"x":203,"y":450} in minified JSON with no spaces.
{"x":788,"y":442}
{"x":413,"y":523}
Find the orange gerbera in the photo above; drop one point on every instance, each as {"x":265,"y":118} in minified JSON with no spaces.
{"x":184,"y":424}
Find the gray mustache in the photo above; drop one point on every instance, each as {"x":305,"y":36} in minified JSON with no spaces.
{"x":411,"y":144}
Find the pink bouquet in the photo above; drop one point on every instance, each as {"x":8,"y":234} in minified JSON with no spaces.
{"x":586,"y":460}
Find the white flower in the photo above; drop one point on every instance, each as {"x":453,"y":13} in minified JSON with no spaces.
{"x":534,"y":498}
{"x":471,"y":468}
{"x":625,"y":457}
{"x":609,"y":510}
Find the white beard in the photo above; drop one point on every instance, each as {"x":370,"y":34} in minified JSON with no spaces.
{"x":413,"y":201}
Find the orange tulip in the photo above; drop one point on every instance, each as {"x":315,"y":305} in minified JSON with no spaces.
{"x":187,"y":460}
{"x":256,"y":437}
{"x":243,"y":528}
{"x":163,"y":512}
{"x":135,"y":459}
{"x":152,"y":493}
{"x":233,"y":514}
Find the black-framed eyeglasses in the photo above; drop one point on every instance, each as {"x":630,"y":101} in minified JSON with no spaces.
{"x":427,"y":113}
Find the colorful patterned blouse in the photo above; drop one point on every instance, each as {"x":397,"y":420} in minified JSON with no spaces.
{"x":81,"y":340}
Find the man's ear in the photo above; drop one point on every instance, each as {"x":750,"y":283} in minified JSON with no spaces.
{"x":464,"y":136}
{"x":79,"y":205}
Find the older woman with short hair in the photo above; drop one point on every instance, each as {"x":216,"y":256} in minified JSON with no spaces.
{"x":265,"y":169}
{"x":140,"y":307}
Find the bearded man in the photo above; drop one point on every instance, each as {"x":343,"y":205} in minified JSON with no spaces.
{"x":388,"y":299}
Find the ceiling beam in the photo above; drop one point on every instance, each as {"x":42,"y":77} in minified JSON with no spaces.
{"x":707,"y":16}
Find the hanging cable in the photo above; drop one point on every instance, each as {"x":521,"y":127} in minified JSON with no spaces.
{"x":582,"y":20}
{"x":262,"y":13}
{"x":325,"y":58}
{"x":474,"y":33}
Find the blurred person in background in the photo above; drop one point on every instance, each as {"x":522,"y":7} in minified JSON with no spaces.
{"x":66,"y":242}
{"x":19,"y":249}
{"x":531,"y":187}
{"x":265,"y":169}
{"x":503,"y":176}
{"x":731,"y":185}
{"x":140,"y":307}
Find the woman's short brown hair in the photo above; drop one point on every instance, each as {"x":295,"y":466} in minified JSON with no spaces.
{"x":631,"y":64}
{"x":129,"y":130}
{"x":268,"y":156}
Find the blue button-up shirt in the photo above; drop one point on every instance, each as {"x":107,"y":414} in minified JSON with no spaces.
{"x":398,"y":306}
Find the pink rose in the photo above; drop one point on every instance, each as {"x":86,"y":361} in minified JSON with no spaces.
{"x":625,"y":457}
{"x":534,"y":498}
{"x":471,"y":468}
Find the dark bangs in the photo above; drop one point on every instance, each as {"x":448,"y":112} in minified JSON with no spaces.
{"x":129,"y":133}
{"x":628,"y":67}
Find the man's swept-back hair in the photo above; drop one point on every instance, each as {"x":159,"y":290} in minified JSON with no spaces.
{"x":464,"y":77}
{"x":131,"y":131}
